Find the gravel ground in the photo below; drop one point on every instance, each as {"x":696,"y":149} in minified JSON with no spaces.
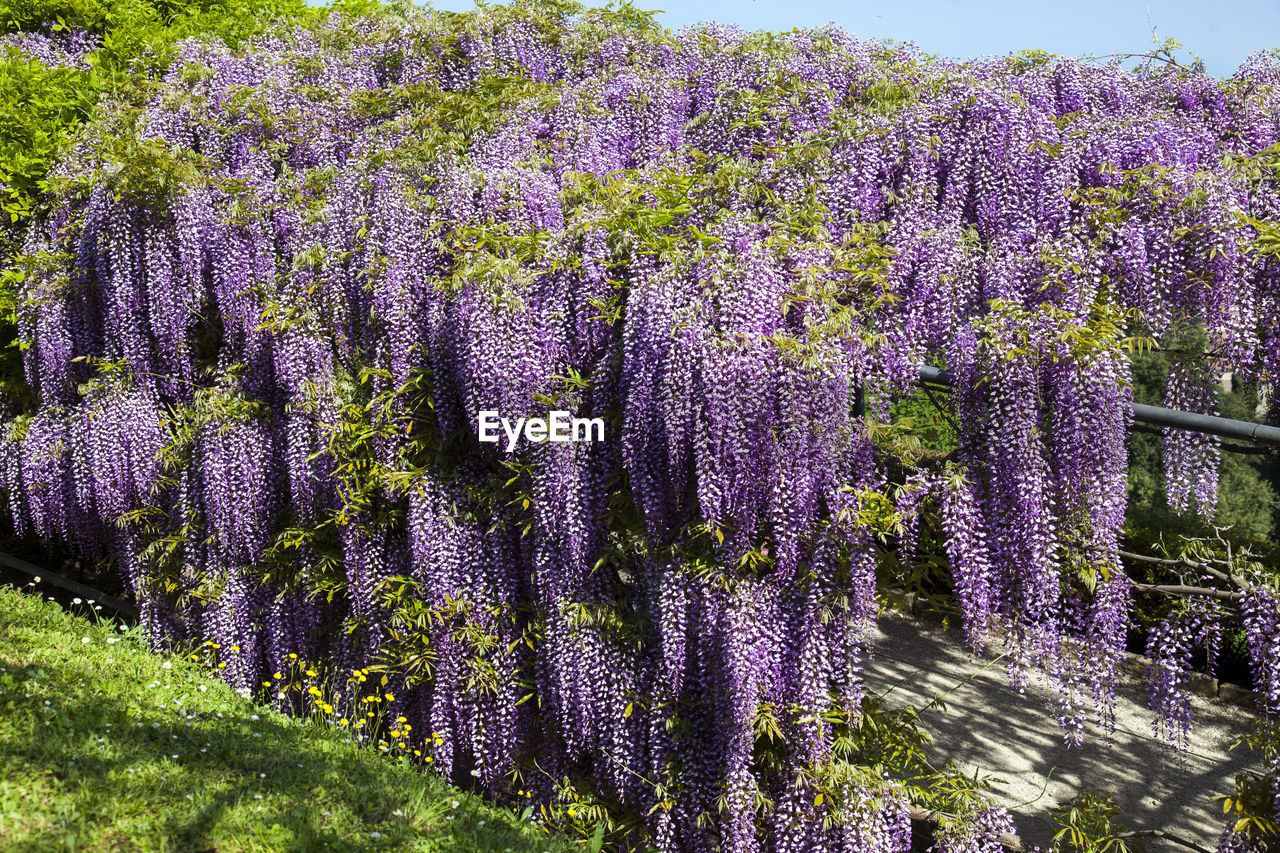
{"x":988,"y":726}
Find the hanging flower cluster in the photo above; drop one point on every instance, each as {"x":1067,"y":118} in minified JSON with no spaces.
{"x":277,"y":289}
{"x":63,"y":48}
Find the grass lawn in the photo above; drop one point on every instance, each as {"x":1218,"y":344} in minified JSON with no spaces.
{"x":106,"y":746}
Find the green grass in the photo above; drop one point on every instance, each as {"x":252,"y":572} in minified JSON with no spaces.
{"x":106,"y":746}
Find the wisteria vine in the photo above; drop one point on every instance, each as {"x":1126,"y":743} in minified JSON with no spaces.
{"x":277,"y":287}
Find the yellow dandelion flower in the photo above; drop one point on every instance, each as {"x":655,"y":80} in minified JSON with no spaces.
{"x":292,"y":656}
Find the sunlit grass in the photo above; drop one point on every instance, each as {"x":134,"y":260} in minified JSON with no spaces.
{"x":106,"y":746}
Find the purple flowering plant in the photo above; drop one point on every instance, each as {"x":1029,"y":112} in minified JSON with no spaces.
{"x":275,"y":286}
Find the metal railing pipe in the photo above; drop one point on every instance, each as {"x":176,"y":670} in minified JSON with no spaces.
{"x":1159,"y":416}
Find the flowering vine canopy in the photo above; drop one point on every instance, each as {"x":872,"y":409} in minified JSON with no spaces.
{"x":274,"y":289}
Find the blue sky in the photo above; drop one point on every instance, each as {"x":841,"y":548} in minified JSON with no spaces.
{"x":1221,"y":32}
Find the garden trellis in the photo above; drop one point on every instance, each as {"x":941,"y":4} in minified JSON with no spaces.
{"x":274,"y":289}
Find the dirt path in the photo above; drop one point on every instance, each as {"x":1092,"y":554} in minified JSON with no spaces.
{"x":988,"y":726}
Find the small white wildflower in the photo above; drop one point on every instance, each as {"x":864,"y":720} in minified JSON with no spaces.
{"x":204,"y":688}
{"x":454,"y":804}
{"x":84,"y":640}
{"x":91,"y":601}
{"x":36,"y":579}
{"x":262,"y":775}
{"x":375,"y":835}
{"x":257,"y":796}
{"x":253,"y":716}
{"x":75,"y":601}
{"x":166,"y":665}
{"x":110,"y":640}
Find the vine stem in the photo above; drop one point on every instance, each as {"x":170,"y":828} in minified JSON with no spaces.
{"x":1183,"y":589}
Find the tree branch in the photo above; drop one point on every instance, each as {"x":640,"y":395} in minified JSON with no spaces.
{"x":1182,"y":589}
{"x":1160,"y":833}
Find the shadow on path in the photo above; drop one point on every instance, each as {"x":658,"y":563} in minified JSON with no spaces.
{"x":987,"y":726}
